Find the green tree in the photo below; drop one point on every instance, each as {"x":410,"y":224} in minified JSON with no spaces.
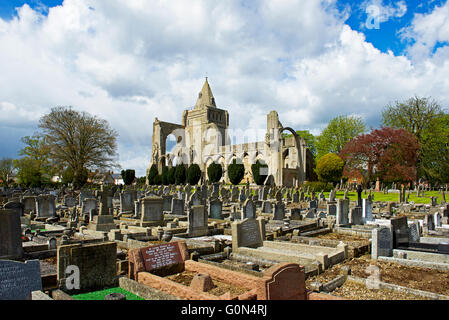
{"x":426,"y":120}
{"x":193,"y":174}
{"x":128,"y":176}
{"x":260,"y":172}
{"x":67,"y":176}
{"x":309,"y":138}
{"x":28,"y":172}
{"x":164,"y":176}
{"x":214,"y":172}
{"x":236,"y":172}
{"x":152,"y":175}
{"x":171,"y":175}
{"x":79,"y":140}
{"x":329,"y":168}
{"x":6,"y":170}
{"x":180,"y":174}
{"x":34,"y":167}
{"x":338,"y":132}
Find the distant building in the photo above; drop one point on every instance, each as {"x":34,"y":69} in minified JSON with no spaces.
{"x":118,"y":179}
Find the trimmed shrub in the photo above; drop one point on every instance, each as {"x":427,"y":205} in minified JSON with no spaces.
{"x":259,"y":179}
{"x":128,"y":176}
{"x":236,"y":171}
{"x":214,"y":172}
{"x":152,"y":175}
{"x":171,"y":175}
{"x":180,"y":174}
{"x":193,"y":174}
{"x":329,"y":168}
{"x":164,"y":176}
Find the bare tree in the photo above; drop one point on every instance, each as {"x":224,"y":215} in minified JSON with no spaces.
{"x":79,"y":141}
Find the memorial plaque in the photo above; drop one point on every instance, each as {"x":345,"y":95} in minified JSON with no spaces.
{"x":18,"y":280}
{"x":248,"y":233}
{"x":215,"y":208}
{"x":161,"y":255}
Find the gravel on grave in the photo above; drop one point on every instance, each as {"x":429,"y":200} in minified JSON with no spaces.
{"x":185,"y":278}
{"x":356,"y":291}
{"x":412,"y":277}
{"x":341,"y":237}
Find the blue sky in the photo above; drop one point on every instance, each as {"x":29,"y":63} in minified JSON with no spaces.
{"x":386,"y":37}
{"x":309,"y":60}
{"x":8,"y":7}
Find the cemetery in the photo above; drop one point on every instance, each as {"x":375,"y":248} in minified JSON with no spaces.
{"x":198,"y":243}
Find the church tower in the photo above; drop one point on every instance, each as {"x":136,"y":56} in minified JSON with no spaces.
{"x":205,"y":127}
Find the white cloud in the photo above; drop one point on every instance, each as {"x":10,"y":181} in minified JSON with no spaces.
{"x":426,"y":31}
{"x":131,"y":61}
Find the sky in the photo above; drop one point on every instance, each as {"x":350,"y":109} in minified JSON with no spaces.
{"x":131,"y":61}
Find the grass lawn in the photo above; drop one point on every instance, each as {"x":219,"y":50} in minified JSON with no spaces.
{"x":100,"y":295}
{"x":380,"y":196}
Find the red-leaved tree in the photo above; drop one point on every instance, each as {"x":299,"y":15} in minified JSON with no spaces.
{"x":388,"y":153}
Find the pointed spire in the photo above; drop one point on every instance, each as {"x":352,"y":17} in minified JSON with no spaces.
{"x":205,"y":97}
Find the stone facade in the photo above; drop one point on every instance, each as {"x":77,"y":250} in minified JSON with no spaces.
{"x":203,"y":138}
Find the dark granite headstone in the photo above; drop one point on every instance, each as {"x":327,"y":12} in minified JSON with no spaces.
{"x":18,"y":280}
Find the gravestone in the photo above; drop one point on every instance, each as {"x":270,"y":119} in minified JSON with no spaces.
{"x":29,"y":204}
{"x":295,"y":214}
{"x":429,"y":224}
{"x":161,"y":259}
{"x":105,"y":194}
{"x":437,"y":219}
{"x":331,"y":209}
{"x":177,"y":207}
{"x":85,"y":194}
{"x":18,"y":280}
{"x":313,"y":204}
{"x":359,"y":195}
{"x":267,"y":207}
{"x":311,"y":213}
{"x":355,"y":216}
{"x":14,"y":206}
{"x":167,"y":202}
{"x":342,"y":211}
{"x":434,"y":201}
{"x":127,"y":199}
{"x":70,"y":201}
{"x":45,"y":206}
{"x":413,"y":231}
{"x":367,"y":210}
{"x":152,"y":210}
{"x":400,"y":231}
{"x":197,"y":219}
{"x":96,"y":263}
{"x":88,"y":204}
{"x":138,"y":209}
{"x":279,"y":211}
{"x":10,"y":235}
{"x":248,"y":210}
{"x":195,"y":199}
{"x":295,"y":197}
{"x":215,"y":209}
{"x":248,"y":233}
{"x":382,"y":242}
{"x":332,"y":196}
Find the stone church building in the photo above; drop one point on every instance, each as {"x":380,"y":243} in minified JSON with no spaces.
{"x":203,"y":138}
